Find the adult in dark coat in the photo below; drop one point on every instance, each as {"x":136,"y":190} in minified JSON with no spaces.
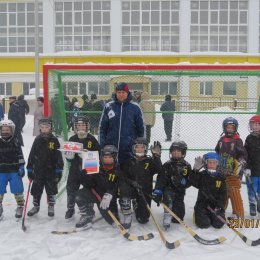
{"x":24,"y":109}
{"x":168,"y":105}
{"x":121,"y":123}
{"x":14,"y":115}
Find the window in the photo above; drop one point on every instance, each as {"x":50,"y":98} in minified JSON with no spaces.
{"x":80,"y":88}
{"x":206,"y":88}
{"x":27,"y":86}
{"x":6,"y":89}
{"x":229,"y":88}
{"x":164,"y":88}
{"x":150,"y":25}
{"x":82,"y":26}
{"x":219,"y":25}
{"x":17,"y":27}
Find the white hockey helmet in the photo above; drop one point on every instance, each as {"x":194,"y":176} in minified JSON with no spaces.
{"x":8,"y":123}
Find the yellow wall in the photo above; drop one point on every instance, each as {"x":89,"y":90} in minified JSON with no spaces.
{"x":26,"y":64}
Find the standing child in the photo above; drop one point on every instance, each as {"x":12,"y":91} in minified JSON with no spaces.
{"x":252,"y":146}
{"x":172,"y":182}
{"x":233,"y":156}
{"x":11,"y":166}
{"x":45,"y":166}
{"x":138,"y":174}
{"x":90,"y":143}
{"x":105,"y":184}
{"x":212,"y":191}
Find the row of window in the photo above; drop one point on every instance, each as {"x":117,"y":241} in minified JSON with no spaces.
{"x":6,"y":88}
{"x":148,"y":25}
{"x":102,"y":88}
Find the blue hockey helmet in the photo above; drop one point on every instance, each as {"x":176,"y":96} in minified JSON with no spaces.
{"x":232,"y":121}
{"x":214,"y":157}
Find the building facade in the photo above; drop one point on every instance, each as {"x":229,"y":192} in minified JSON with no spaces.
{"x":136,"y":31}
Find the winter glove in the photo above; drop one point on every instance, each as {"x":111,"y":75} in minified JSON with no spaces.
{"x":30,"y":173}
{"x":105,"y":202}
{"x":156,"y":149}
{"x":21,"y":171}
{"x":69,"y":155}
{"x":58,"y":175}
{"x":217,"y":210}
{"x":198,"y":164}
{"x":247,"y":172}
{"x":157,"y":196}
{"x":137,"y":186}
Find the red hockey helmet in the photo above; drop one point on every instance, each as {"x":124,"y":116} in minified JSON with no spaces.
{"x":254,"y":124}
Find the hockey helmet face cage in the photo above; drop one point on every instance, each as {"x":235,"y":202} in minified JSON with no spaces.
{"x":211,"y":161}
{"x":254,"y":125}
{"x":109,"y":156}
{"x":230,"y":126}
{"x":7,"y":128}
{"x":178,"y":146}
{"x":140,"y":147}
{"x":45,"y":125}
{"x":81,"y":126}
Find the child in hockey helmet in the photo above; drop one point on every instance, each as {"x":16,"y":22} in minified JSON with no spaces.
{"x":254,"y":125}
{"x":211,"y":161}
{"x":7,"y":128}
{"x":178,"y":150}
{"x":140,"y":147}
{"x":230,"y":126}
{"x":45,"y":126}
{"x":109,"y":156}
{"x":81,"y":126}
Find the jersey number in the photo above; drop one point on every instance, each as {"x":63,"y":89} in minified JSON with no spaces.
{"x":111,"y":177}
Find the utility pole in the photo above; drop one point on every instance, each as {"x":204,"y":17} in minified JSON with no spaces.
{"x":36,"y":52}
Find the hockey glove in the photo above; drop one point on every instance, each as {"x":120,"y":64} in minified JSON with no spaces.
{"x":69,"y":155}
{"x":137,"y":186}
{"x":30,"y":173}
{"x":105,"y":202}
{"x":198,"y":164}
{"x":247,"y":172}
{"x":21,"y":171}
{"x":58,"y":175}
{"x":156,"y":149}
{"x":157,"y":197}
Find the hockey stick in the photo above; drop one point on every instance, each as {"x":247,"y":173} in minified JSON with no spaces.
{"x":25,"y":206}
{"x":121,"y":229}
{"x":75,"y":230}
{"x":168,"y":244}
{"x":241,"y":235}
{"x":253,"y":189}
{"x":192,"y":232}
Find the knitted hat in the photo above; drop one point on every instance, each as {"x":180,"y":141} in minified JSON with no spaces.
{"x":122,"y":86}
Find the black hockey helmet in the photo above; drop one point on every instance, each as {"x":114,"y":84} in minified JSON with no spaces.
{"x":109,"y":150}
{"x":232,"y":121}
{"x":143,"y":141}
{"x":179,"y":145}
{"x":81,"y":119}
{"x":45,"y":121}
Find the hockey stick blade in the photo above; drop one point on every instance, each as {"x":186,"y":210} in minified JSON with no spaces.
{"x":248,"y":241}
{"x":75,"y":230}
{"x":121,"y":229}
{"x":192,"y":232}
{"x":24,"y":228}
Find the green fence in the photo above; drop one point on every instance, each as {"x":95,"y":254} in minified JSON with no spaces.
{"x":203,"y":99}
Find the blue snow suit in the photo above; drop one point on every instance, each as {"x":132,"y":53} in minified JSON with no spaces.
{"x":120,"y":125}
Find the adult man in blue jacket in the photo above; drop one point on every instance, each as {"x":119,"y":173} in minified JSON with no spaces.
{"x":121,"y":123}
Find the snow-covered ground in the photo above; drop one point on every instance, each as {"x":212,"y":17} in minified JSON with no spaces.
{"x":104,"y":241}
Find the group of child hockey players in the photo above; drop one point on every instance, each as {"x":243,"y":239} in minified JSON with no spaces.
{"x":216,"y":175}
